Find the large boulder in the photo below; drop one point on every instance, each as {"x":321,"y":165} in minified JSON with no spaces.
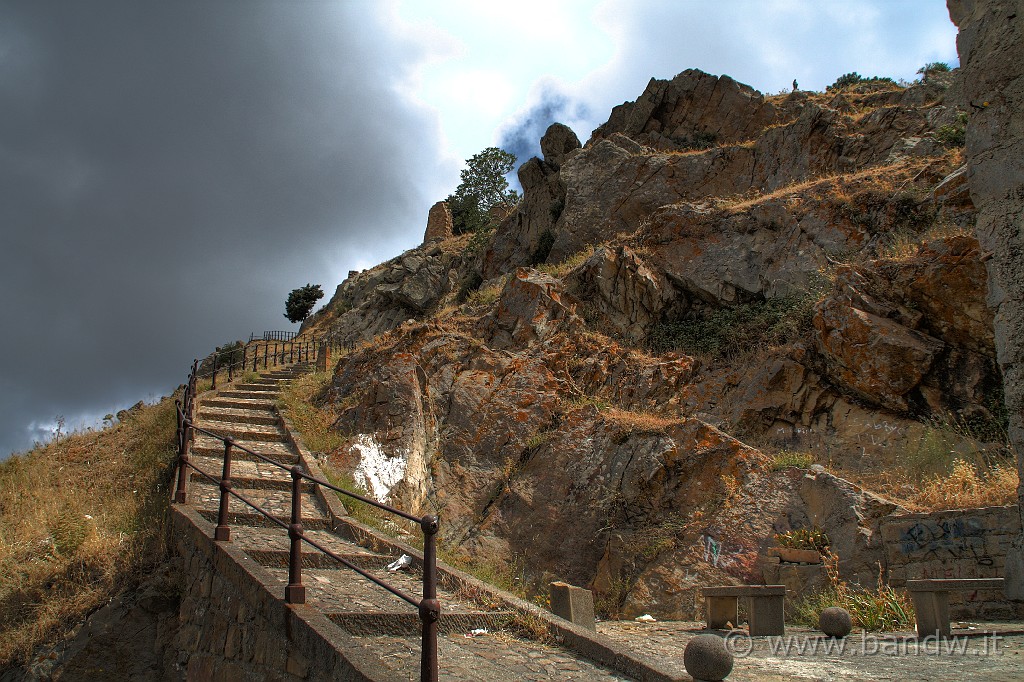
{"x":558,"y":143}
{"x":874,"y":357}
{"x":624,"y":295}
{"x":531,"y":307}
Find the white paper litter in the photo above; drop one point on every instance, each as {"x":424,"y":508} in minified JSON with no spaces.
{"x":646,"y":618}
{"x":476,"y":633}
{"x":400,"y":564}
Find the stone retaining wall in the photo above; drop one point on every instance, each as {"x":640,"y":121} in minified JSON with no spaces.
{"x":233,"y":628}
{"x":965,"y":543}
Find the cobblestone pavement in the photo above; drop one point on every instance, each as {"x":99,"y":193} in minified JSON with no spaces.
{"x":866,"y":656}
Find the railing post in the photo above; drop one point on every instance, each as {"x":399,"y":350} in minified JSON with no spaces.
{"x":430,"y":607}
{"x":223,"y":531}
{"x":213,"y":384}
{"x":295,"y":593}
{"x":291,"y":351}
{"x":266,"y":347}
{"x":179,"y":491}
{"x":255,"y":356}
{"x":231,"y":366}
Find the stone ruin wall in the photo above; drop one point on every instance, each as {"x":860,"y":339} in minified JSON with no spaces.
{"x":960,"y":543}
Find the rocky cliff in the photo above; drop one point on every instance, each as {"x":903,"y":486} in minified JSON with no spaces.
{"x":604,"y":386}
{"x":991,"y":47}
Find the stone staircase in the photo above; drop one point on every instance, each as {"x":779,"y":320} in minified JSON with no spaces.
{"x":387,"y":628}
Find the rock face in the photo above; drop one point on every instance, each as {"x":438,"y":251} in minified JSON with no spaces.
{"x":991,"y":48}
{"x":561,"y":372}
{"x":374,"y":301}
{"x":518,"y":239}
{"x":622,"y":291}
{"x":532,"y":306}
{"x":439,"y":222}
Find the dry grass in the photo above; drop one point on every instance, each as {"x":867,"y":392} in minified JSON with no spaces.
{"x":80,"y":519}
{"x":969,"y":485}
{"x":903,"y":245}
{"x":560,"y":270}
{"x":299,"y":399}
{"x":640,"y":422}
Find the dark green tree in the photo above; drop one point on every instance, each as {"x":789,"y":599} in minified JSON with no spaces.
{"x":482,"y":188}
{"x":301,"y":301}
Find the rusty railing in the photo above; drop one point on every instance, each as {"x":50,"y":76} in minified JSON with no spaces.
{"x":239,"y":358}
{"x":428,"y":606}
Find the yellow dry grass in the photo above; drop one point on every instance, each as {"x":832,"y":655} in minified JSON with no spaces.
{"x":968,"y":485}
{"x":80,"y":519}
{"x":299,"y":400}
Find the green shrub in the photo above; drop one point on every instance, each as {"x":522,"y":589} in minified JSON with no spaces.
{"x":953,"y":134}
{"x":933,"y":67}
{"x":789,"y":458}
{"x":804,"y":538}
{"x":854,"y":78}
{"x":724,"y":332}
{"x":698,"y":141}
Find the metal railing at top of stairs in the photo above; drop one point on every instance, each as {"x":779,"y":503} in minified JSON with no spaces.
{"x":239,"y":358}
{"x":428,"y":607}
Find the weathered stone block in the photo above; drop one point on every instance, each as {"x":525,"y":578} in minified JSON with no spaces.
{"x":575,"y":604}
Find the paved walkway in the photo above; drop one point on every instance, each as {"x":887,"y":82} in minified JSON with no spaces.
{"x":895,"y":657}
{"x":380,"y":622}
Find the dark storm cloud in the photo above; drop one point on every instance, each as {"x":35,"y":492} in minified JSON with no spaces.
{"x":522,"y":136}
{"x":170,"y":170}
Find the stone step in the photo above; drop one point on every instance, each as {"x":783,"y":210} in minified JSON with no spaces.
{"x":256,"y":520}
{"x":208,"y":446}
{"x":252,"y":395}
{"x":271,"y":546}
{"x":243,"y":431}
{"x":257,"y":387}
{"x":408,"y":624}
{"x":256,"y":471}
{"x":338,"y":589}
{"x":242,"y":483}
{"x":204,"y":495}
{"x":239,"y":403}
{"x":237,"y":415}
{"x":314,"y":558}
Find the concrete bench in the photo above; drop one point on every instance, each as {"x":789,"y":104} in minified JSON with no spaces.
{"x":931,"y":600}
{"x":766,"y":607}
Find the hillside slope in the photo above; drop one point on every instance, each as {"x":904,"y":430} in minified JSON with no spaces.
{"x":716,"y":282}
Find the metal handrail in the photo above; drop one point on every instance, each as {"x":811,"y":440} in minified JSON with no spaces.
{"x":285,"y":351}
{"x":428,"y":606}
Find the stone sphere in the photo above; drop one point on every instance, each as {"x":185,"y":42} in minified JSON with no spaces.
{"x":706,"y":658}
{"x":835,"y":622}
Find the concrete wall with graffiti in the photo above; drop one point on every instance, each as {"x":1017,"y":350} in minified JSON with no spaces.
{"x":965,"y":543}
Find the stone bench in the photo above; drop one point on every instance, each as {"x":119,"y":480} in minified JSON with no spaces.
{"x":766,"y":607}
{"x":931,"y":600}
